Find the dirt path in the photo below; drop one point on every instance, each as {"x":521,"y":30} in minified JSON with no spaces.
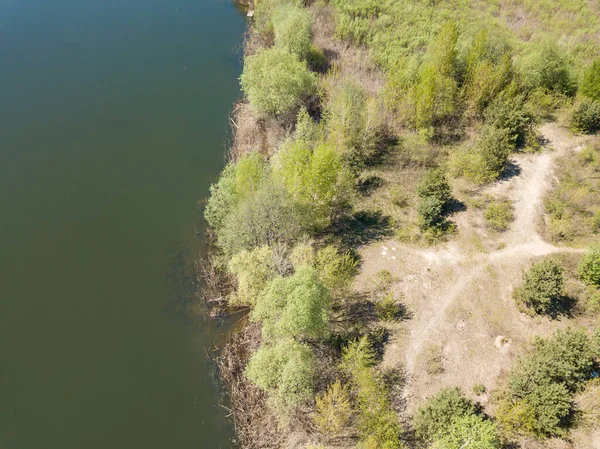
{"x":451,"y":288}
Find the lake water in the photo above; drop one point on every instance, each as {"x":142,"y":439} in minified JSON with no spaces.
{"x":113,"y":119}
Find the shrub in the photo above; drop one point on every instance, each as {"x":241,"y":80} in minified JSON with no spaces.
{"x":586,"y":116}
{"x":589,"y":267}
{"x":470,"y":431}
{"x":435,"y":184}
{"x":332,"y":408}
{"x":438,"y":413}
{"x":542,"y":287}
{"x":498,"y":215}
{"x":294,"y":306}
{"x":277,"y":82}
{"x":285,"y":369}
{"x":386,"y":308}
{"x":479,"y":389}
{"x":270,"y":217}
{"x":253,"y":270}
{"x":293,"y":29}
{"x":590,"y":82}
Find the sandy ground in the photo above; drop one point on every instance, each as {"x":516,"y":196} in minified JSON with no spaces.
{"x":459,"y":293}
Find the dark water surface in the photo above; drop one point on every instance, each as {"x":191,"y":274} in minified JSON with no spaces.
{"x":113,"y":116}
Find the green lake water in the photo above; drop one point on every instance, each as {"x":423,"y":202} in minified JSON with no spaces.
{"x":113,"y":124}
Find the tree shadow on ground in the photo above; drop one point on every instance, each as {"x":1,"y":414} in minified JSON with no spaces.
{"x":512,"y":169}
{"x":361,"y":228}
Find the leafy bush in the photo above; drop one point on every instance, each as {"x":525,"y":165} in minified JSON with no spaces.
{"x":589,"y":267}
{"x":269,"y":217}
{"x":479,"y":389}
{"x":293,"y":30}
{"x":333,"y":408}
{"x":586,"y":116}
{"x":542,"y":288}
{"x":470,"y":431}
{"x":498,"y":215}
{"x":277,"y":82}
{"x":294,"y":306}
{"x":252,"y":270}
{"x":317,"y":179}
{"x":590,"y":82}
{"x":285,"y":369}
{"x":436,"y":415}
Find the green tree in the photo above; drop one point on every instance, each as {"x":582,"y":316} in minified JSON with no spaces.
{"x":548,"y":69}
{"x":239,"y":181}
{"x":434,"y":93}
{"x":285,"y":369}
{"x":469,"y":432}
{"x":269,"y":217}
{"x":378,"y":424}
{"x":293,"y":30}
{"x":589,"y":267}
{"x":431,"y":213}
{"x":335,"y":270}
{"x":590,"y":82}
{"x":294,"y":306}
{"x":586,"y":116}
{"x":333,"y":408}
{"x":252,"y":270}
{"x":277,"y":82}
{"x":566,"y":358}
{"x":542,"y":287}
{"x":538,"y":398}
{"x":544,"y":412}
{"x":509,"y":112}
{"x":435,"y":417}
{"x":435,"y":184}
{"x":317,"y":179}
